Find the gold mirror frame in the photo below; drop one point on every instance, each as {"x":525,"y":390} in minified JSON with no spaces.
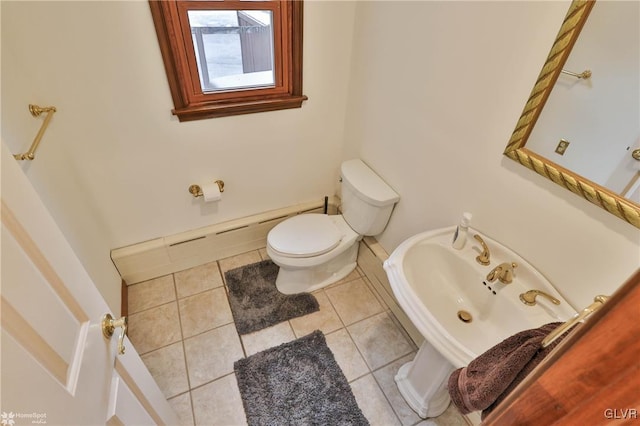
{"x":594,"y":193}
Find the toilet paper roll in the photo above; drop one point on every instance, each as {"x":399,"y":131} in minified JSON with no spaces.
{"x":211,"y":192}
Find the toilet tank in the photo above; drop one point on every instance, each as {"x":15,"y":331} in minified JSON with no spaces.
{"x":367,"y":201}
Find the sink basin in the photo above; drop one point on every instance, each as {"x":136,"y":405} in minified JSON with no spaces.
{"x":446,"y":294}
{"x":433,"y":282}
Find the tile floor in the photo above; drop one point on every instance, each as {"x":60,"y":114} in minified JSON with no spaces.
{"x":192,"y":357}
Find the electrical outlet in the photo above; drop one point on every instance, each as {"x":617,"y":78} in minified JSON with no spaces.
{"x":562,"y":146}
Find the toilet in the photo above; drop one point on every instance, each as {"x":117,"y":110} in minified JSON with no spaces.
{"x":314,"y":250}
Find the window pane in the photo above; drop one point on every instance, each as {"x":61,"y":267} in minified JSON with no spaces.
{"x":234,"y":48}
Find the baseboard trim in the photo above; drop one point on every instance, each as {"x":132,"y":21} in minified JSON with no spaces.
{"x":163,"y":256}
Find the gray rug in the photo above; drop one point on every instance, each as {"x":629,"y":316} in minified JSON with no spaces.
{"x":296,"y":383}
{"x":255,"y":301}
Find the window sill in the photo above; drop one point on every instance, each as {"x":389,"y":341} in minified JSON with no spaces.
{"x":224,"y":109}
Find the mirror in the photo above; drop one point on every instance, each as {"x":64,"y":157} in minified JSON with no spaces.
{"x":595,"y":118}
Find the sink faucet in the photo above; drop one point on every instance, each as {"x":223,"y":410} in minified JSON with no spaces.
{"x":483,"y":258}
{"x":503,"y":273}
{"x":529,"y":298}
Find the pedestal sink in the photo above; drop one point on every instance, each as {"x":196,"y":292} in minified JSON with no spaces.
{"x":446,"y":294}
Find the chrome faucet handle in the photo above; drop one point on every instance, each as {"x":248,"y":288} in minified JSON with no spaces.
{"x":484,"y":257}
{"x":529,"y":298}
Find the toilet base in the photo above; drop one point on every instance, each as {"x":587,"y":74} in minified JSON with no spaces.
{"x":301,"y":280}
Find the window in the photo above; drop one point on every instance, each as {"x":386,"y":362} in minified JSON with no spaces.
{"x":230,"y":57}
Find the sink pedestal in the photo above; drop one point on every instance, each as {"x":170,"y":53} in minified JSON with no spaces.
{"x":423,"y":382}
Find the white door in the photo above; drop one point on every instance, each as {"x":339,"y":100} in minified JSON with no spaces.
{"x":57,"y":367}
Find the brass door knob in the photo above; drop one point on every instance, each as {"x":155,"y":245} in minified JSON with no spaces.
{"x":109,"y":324}
{"x":636,"y":154}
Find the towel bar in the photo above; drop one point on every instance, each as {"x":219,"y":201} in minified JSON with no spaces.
{"x":36,"y":111}
{"x":598,"y":301}
{"x":584,"y":74}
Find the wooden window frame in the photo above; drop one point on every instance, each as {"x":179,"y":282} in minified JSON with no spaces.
{"x":190,"y":102}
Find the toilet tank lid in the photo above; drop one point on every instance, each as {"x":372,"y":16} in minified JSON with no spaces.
{"x":367,"y":184}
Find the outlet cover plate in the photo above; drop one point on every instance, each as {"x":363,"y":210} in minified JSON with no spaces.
{"x":562,"y":146}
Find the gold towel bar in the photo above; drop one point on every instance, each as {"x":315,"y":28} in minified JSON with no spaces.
{"x":36,"y":111}
{"x":598,"y":301}
{"x":583,"y":74}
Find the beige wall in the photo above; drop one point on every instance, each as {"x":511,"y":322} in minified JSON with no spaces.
{"x":429,"y":92}
{"x":115,"y":165}
{"x":437,"y":88}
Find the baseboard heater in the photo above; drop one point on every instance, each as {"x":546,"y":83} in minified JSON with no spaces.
{"x":162,"y":256}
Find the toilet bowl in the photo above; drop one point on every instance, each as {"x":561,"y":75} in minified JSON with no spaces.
{"x":314,"y":250}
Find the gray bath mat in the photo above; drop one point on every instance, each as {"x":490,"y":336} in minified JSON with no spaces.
{"x":255,"y":301}
{"x":296,"y":383}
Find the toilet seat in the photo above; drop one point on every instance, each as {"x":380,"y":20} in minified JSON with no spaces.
{"x":305,"y":235}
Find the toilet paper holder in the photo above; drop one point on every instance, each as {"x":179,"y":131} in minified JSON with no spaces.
{"x":196,"y":191}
